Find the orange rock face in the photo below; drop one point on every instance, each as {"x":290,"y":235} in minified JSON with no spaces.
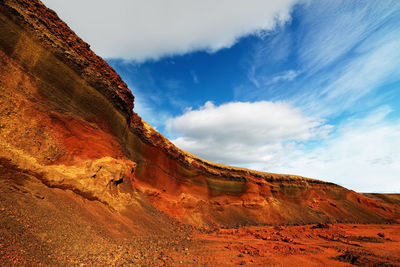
{"x":73,"y":151}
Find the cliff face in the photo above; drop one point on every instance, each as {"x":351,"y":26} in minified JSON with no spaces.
{"x":66,"y":119}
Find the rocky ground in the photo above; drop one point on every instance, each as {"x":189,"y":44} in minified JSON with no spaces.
{"x":338,"y":245}
{"x":41,"y":226}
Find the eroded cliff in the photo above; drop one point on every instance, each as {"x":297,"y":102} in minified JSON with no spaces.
{"x":66,"y":119}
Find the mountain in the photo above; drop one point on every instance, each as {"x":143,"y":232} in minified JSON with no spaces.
{"x":80,"y":170}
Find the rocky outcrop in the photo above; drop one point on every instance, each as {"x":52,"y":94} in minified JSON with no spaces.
{"x":66,"y":116}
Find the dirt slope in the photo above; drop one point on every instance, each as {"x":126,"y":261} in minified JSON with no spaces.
{"x":72,"y":150}
{"x":67,"y":115}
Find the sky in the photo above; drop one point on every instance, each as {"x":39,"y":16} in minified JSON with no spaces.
{"x":310,"y":88}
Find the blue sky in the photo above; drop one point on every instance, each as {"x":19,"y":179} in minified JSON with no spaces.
{"x":302,"y":87}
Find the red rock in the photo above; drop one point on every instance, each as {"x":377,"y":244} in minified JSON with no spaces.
{"x":68,"y":132}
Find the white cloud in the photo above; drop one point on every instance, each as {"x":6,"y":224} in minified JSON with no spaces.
{"x":334,"y":28}
{"x":362,"y":41}
{"x":354,"y":81}
{"x":140,"y":30}
{"x":345,"y":51}
{"x":363,"y":155}
{"x":243,"y":132}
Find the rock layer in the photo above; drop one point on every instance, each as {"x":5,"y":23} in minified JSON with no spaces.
{"x":66,"y":117}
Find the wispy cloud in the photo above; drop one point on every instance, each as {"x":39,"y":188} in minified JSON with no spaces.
{"x":332,"y":29}
{"x":144,"y":108}
{"x":353,"y":81}
{"x":285,"y":76}
{"x":345,"y":53}
{"x":194,"y":77}
{"x":173,"y":84}
{"x":267,"y":55}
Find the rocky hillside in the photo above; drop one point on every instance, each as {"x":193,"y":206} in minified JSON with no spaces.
{"x":67,"y":130}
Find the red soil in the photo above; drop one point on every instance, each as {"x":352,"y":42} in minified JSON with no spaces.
{"x":333,"y":245}
{"x":49,"y":226}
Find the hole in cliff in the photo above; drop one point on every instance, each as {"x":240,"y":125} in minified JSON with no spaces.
{"x":117,"y":182}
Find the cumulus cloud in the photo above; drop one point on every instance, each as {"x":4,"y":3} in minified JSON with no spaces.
{"x":363,"y":155}
{"x":140,"y":30}
{"x":243,"y":132}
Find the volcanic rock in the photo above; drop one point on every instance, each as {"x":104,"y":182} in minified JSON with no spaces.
{"x":77,"y":162}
